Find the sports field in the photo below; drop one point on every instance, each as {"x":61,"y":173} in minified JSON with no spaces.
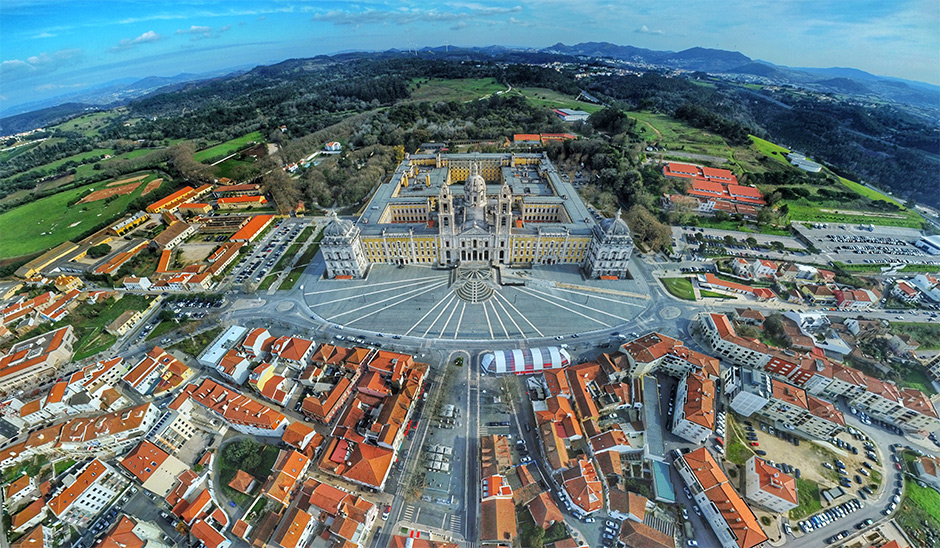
{"x":47,"y":222}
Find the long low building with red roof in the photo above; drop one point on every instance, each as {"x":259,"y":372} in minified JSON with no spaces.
{"x":252,"y":229}
{"x":769,"y":487}
{"x":239,"y":202}
{"x":715,"y":186}
{"x":907,"y":408}
{"x":239,"y":411}
{"x":722,"y":507}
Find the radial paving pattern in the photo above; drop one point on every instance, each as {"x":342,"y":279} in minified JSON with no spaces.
{"x":422,"y":302}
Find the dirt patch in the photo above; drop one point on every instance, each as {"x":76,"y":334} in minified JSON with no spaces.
{"x":125,"y":181}
{"x":195,"y":253}
{"x":105,"y":193}
{"x":151,"y":186}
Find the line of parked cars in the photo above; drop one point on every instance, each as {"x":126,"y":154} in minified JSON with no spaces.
{"x":830,"y":516}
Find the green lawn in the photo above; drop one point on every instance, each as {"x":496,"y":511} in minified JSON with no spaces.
{"x":88,"y":124}
{"x":679,"y":137}
{"x":772,"y":150}
{"x":679,"y":287}
{"x":808,"y":497}
{"x":47,"y":222}
{"x":869,"y":193}
{"x":266,"y":282}
{"x":460,"y":89}
{"x":89,"y":323}
{"x":62,"y":466}
{"x":919,"y":505}
{"x":228,"y":147}
{"x":550,"y":98}
{"x":706,"y":293}
{"x":51,"y":167}
{"x":7,"y":155}
{"x":163,"y":327}
{"x":226,"y":168}
{"x":304,"y":259}
{"x":800,"y":211}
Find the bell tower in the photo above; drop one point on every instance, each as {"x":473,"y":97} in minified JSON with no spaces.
{"x":445,"y":210}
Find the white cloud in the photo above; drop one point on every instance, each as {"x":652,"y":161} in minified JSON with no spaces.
{"x":43,"y":63}
{"x":45,"y":35}
{"x":646,"y":30}
{"x":145,"y":38}
{"x":197,"y":32}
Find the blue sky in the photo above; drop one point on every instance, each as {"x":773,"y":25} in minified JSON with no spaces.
{"x":51,"y":47}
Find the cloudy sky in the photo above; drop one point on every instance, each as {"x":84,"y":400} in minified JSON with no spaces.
{"x":51,"y":47}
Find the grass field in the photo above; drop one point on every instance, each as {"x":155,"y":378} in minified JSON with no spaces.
{"x":800,"y":211}
{"x":225,"y":168}
{"x":550,"y":98}
{"x":89,"y":323}
{"x":679,"y":287}
{"x":807,"y":493}
{"x":88,"y":124}
{"x":869,"y":193}
{"x":772,"y":150}
{"x":49,"y":221}
{"x":9,"y":154}
{"x":62,"y":466}
{"x":676,"y":136}
{"x":304,"y":259}
{"x":228,"y":147}
{"x":51,"y":167}
{"x":461,"y":90}
{"x":714,"y":294}
{"x":919,"y":505}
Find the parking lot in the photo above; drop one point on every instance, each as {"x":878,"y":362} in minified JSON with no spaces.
{"x":266,"y":253}
{"x":853,"y":244}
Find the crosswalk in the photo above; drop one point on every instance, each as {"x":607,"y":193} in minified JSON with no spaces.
{"x":455,"y":524}
{"x":409,"y":513}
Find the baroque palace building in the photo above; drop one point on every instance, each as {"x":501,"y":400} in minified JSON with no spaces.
{"x":512,"y":210}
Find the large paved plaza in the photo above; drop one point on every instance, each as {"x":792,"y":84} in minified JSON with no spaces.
{"x":421,"y":302}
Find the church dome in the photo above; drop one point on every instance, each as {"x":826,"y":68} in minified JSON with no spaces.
{"x":475,"y":185}
{"x":337,"y":227}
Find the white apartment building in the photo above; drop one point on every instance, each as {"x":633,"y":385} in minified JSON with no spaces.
{"x":85,"y":493}
{"x":694,"y":417}
{"x":769,"y":487}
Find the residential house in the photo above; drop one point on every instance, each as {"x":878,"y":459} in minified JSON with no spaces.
{"x":85,"y":492}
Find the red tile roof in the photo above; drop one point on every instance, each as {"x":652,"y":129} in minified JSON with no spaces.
{"x":144,"y":460}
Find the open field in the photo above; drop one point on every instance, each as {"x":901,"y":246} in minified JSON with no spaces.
{"x":869,"y":192}
{"x":89,"y":124}
{"x":799,"y":210}
{"x":47,"y":222}
{"x":105,"y":193}
{"x":13,"y":152}
{"x":228,"y":147}
{"x":772,"y":150}
{"x":677,"y":136}
{"x":125,"y":181}
{"x":920,"y":505}
{"x":461,"y":90}
{"x":89,"y":323}
{"x":550,"y":98}
{"x":51,"y":167}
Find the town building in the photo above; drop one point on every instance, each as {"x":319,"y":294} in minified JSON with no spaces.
{"x":769,"y":487}
{"x":85,"y":492}
{"x":173,"y":235}
{"x":35,"y":358}
{"x":722,"y":508}
{"x":694,"y":417}
{"x":237,"y":410}
{"x":156,"y":469}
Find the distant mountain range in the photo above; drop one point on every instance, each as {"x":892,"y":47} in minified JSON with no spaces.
{"x":835,"y":80}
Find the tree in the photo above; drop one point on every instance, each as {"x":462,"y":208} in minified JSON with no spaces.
{"x":99,"y":251}
{"x":647,"y":229}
